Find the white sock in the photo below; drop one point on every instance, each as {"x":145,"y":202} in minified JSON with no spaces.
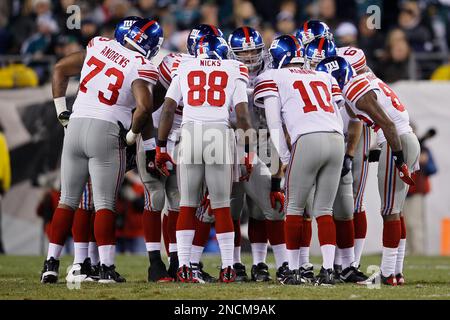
{"x":184,"y":244}
{"x":279,"y":251}
{"x":93,"y":253}
{"x":304,"y":255}
{"x":328,"y":251}
{"x":338,"y":257}
{"x":237,"y":255}
{"x":196,"y":253}
{"x":153,"y":246}
{"x":347,"y":257}
{"x":172,"y":247}
{"x":400,"y":256}
{"x":54,"y":250}
{"x":259,"y":252}
{"x":81,"y":250}
{"x":226,"y":245}
{"x":107,"y":254}
{"x":293,"y":258}
{"x":359,"y":246}
{"x":388,"y":261}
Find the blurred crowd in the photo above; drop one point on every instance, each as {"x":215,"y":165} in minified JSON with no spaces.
{"x":411,"y":44}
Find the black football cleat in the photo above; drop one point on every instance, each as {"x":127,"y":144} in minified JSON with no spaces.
{"x":282,"y":270}
{"x":307,"y":273}
{"x":400,"y":279}
{"x":241,"y":274}
{"x":50,"y":271}
{"x":378,"y":277}
{"x":184,"y":274}
{"x":325,"y":277}
{"x":108,"y":274}
{"x":206,"y":276}
{"x":173,"y":265}
{"x":260,"y":272}
{"x":337,"y":269}
{"x":95,"y":272}
{"x":352,"y":275}
{"x":80,"y":272}
{"x":227,"y":275}
{"x":291,"y":277}
{"x":157,"y":272}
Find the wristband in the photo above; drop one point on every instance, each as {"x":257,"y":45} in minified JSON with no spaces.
{"x":60,"y":105}
{"x":276,"y":184}
{"x":398,"y":157}
{"x":161,"y":143}
{"x":149,"y":144}
{"x":131,"y":137}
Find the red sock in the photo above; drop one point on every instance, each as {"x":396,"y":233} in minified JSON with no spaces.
{"x":392,"y":231}
{"x":360,"y":223}
{"x":224,"y":222}
{"x":172,"y":226}
{"x":81,"y":227}
{"x":326,"y":230}
{"x":305,"y":240}
{"x":201,"y":236}
{"x":92,"y":233}
{"x":61,"y":225}
{"x":345,"y":234}
{"x":186,"y":219}
{"x":237,"y":232}
{"x":165,"y":233}
{"x":403,"y":228}
{"x":105,"y":227}
{"x":257,"y":231}
{"x":275,"y":232}
{"x":293,"y":229}
{"x":151,"y":221}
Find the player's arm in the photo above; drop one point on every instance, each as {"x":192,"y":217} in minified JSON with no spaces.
{"x":64,"y":69}
{"x":353,"y":136}
{"x":142,"y":116}
{"x":369,"y":104}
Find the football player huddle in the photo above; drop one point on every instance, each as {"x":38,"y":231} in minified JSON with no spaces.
{"x":191,"y":128}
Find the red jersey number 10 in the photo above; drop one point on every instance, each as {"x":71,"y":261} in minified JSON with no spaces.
{"x":325,"y":105}
{"x":114,"y":87}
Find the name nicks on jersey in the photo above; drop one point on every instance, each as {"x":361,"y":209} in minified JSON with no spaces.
{"x":108,"y":73}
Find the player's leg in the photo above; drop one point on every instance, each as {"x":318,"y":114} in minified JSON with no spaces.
{"x":151,"y":218}
{"x":327,"y":183}
{"x":173,"y":199}
{"x":190,"y":175}
{"x":360,"y":172}
{"x":93,"y":249}
{"x":306,"y":268}
{"x":219,"y":176}
{"x":74,"y":174}
{"x":236,"y":206}
{"x":107,"y":160}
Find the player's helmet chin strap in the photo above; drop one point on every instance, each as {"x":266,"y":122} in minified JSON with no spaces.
{"x":282,"y":61}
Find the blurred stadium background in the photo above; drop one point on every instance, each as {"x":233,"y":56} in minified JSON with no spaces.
{"x":410,"y":50}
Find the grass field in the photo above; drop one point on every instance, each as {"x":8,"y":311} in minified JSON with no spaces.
{"x":427,"y":278}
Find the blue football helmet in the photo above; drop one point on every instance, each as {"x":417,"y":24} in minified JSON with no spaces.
{"x":317,"y":50}
{"x":212,"y":47}
{"x":245,"y":39}
{"x":146,"y":36}
{"x":122,"y":28}
{"x":338,"y":67}
{"x":286,"y":49}
{"x":198,"y":32}
{"x":313,"y":29}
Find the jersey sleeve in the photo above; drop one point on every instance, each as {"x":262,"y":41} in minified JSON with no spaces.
{"x":336,"y":93}
{"x":165,"y":67}
{"x":174,"y":91}
{"x":264,"y":87}
{"x":275,"y":124}
{"x":356,"y":88}
{"x":146,"y":71}
{"x":240,"y":93}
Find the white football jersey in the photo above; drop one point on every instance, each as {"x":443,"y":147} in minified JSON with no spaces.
{"x":354,"y":56}
{"x":308,"y":99}
{"x":359,"y":85}
{"x":106,"y":77}
{"x":207,"y":88}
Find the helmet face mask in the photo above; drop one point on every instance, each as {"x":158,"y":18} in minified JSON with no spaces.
{"x":252,"y":58}
{"x":248,"y":47}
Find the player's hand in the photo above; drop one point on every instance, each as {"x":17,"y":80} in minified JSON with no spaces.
{"x":150,"y":165}
{"x":276,"y":195}
{"x":402,"y":168}
{"x":347,"y":165}
{"x":64,"y":117}
{"x":206,"y":203}
{"x":248,"y":162}
{"x":122,"y":134}
{"x":161,"y":159}
{"x":374,"y":155}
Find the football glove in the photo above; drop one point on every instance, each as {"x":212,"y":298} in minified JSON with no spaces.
{"x":248,"y":162}
{"x":374,"y":155}
{"x":276,"y":195}
{"x":347,"y":165}
{"x":150,"y":165}
{"x":402,"y":168}
{"x":162,"y":157}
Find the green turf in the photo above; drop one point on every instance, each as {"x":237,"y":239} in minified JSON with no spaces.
{"x":427,"y":278}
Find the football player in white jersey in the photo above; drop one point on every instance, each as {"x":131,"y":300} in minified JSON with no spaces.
{"x":374,"y":102}
{"x":306,"y":101}
{"x":115,"y":79}
{"x":209,"y":86}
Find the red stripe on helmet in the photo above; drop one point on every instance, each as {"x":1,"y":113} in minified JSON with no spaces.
{"x":297,"y":46}
{"x":305,"y":27}
{"x":321,"y":43}
{"x":145,"y":27}
{"x":247,"y":34}
{"x":214,"y":29}
{"x":200,"y":43}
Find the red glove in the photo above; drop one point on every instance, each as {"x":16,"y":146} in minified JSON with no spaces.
{"x":248,"y":162}
{"x":276,"y":195}
{"x":206,"y":203}
{"x":402,"y":168}
{"x":161,"y":159}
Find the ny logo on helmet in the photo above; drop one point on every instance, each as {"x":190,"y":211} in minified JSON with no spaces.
{"x":128,"y":23}
{"x":274,"y":44}
{"x":194,"y":34}
{"x":332,"y":66}
{"x":249,"y":44}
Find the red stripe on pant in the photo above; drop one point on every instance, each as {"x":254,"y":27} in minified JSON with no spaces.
{"x":105,"y":227}
{"x":61,"y":225}
{"x":81,"y":227}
